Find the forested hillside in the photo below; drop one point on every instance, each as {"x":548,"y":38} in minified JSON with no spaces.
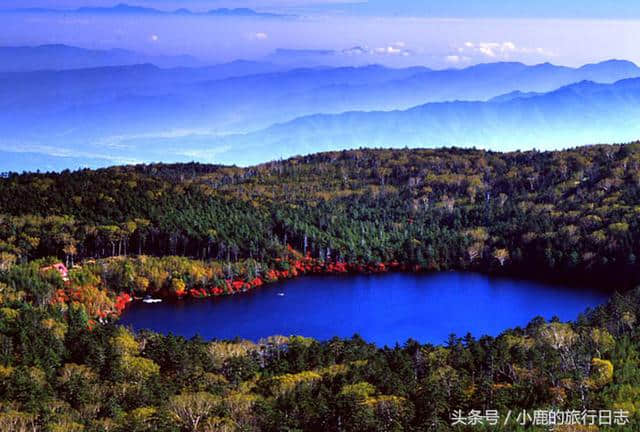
{"x":572,"y":213}
{"x":199,"y":230}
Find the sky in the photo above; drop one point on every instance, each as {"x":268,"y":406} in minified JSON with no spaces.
{"x":440,"y":34}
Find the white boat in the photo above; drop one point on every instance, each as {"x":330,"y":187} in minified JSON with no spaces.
{"x":151,"y":300}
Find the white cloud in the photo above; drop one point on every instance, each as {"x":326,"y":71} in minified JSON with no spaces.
{"x":59,"y":151}
{"x":261,"y":36}
{"x":394,"y":49}
{"x":493,"y":49}
{"x":207,"y":155}
{"x":456,"y":59}
{"x":154,"y":38}
{"x":497,"y":50}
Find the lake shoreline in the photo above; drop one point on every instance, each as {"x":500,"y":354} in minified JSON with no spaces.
{"x":308,"y":266}
{"x":385,"y":308}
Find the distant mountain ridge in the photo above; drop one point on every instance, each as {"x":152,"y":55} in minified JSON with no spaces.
{"x":577,"y":114}
{"x":62,"y":57}
{"x":514,"y":95}
{"x":484,"y":81}
{"x":145,"y":113}
{"x":126,"y":9}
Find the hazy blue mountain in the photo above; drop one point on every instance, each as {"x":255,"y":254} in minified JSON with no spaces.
{"x":309,"y":57}
{"x":128,"y":78}
{"x":245,"y":96}
{"x":246,"y":12}
{"x":142,"y":98}
{"x":514,"y":95}
{"x":484,"y":81}
{"x":62,"y":57}
{"x":146,"y":113}
{"x":121,"y":8}
{"x":125,"y":9}
{"x":577,"y":114}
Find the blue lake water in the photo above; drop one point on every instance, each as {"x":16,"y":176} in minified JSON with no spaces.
{"x":383,"y":309}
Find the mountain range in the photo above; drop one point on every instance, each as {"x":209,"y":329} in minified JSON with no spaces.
{"x":580,"y":113}
{"x":125,"y":9}
{"x":63,"y":57}
{"x":142,"y":112}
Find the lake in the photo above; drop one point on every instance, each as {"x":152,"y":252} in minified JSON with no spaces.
{"x":383,"y":309}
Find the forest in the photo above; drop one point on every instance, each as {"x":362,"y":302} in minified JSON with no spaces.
{"x":199,"y":230}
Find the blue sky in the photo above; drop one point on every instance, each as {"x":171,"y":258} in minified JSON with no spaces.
{"x":439,"y":34}
{"x":507,"y":8}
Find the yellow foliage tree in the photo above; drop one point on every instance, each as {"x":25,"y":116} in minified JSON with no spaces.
{"x":602,"y":373}
{"x":15,"y":421}
{"x":191,"y":409}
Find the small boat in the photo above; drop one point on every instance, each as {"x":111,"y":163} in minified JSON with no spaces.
{"x":281,"y":294}
{"x":148,"y":299}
